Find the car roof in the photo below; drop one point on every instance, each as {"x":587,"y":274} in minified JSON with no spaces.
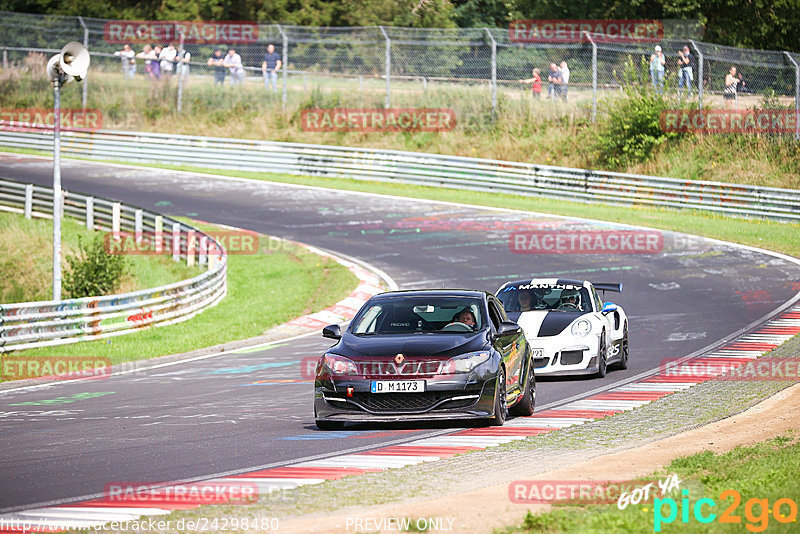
{"x":474,"y":293}
{"x":554,"y":281}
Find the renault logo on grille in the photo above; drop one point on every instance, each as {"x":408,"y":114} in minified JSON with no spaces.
{"x":399,"y":359}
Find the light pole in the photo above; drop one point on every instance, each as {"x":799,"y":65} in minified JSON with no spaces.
{"x":72,"y":63}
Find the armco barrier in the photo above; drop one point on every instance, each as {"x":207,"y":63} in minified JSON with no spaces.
{"x":418,"y":168}
{"x":39,"y":324}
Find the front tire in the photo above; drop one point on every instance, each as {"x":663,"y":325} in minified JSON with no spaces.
{"x":601,"y":357}
{"x":623,"y":362}
{"x":500,"y":400}
{"x":527,"y":404}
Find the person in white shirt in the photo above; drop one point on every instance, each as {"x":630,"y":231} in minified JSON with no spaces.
{"x":564,"y":79}
{"x":234,"y":63}
{"x":182,"y":60}
{"x":128,"y":58}
{"x":167,"y":57}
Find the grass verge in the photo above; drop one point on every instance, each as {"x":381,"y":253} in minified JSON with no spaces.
{"x":761,"y":475}
{"x":25,"y":263}
{"x":264,"y":290}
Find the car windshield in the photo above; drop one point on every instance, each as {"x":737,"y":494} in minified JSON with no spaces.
{"x":530,"y":296}
{"x":410,"y":314}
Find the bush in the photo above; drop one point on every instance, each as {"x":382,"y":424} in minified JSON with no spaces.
{"x":93,"y":271}
{"x":631,"y":130}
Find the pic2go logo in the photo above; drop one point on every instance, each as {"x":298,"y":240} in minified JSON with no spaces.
{"x":756,"y":511}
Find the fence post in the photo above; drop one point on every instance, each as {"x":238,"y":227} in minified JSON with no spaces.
{"x":494,"y":71}
{"x":5,"y":58}
{"x":388,"y":66}
{"x":594,"y":76}
{"x":85,"y":85}
{"x":159,"y":231}
{"x":28,"y":201}
{"x":699,"y":73}
{"x":176,"y":242}
{"x":796,"y":96}
{"x":203,"y":250}
{"x":190,"y":248}
{"x":137,"y":225}
{"x":284,"y":64}
{"x":180,"y":66}
{"x":90,"y":213}
{"x":115,"y":218}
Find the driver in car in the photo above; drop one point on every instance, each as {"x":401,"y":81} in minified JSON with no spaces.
{"x":466,"y":317}
{"x":525,"y":301}
{"x":570,"y":299}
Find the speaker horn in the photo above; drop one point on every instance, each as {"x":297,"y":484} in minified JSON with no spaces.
{"x":74,"y":60}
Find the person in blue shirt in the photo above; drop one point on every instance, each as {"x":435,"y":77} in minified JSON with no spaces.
{"x":270,"y":66}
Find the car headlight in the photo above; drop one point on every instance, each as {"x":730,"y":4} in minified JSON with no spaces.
{"x":581,"y":328}
{"x":339,"y":365}
{"x":464,"y":363}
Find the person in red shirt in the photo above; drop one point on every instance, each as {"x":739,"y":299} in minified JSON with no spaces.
{"x":536,"y":83}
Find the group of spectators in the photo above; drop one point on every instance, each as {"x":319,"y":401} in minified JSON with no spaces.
{"x":557,"y":82}
{"x":734,"y":83}
{"x":162,"y":62}
{"x":159,"y":62}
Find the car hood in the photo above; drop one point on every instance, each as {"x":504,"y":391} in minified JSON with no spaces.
{"x":545,"y":323}
{"x":419,"y":344}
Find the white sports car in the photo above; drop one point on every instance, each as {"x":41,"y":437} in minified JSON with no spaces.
{"x":570,"y":330}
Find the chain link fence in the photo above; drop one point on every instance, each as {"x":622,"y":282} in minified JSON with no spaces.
{"x":474,"y":71}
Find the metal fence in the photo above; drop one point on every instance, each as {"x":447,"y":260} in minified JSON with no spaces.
{"x":422,"y":169}
{"x":474,"y":70}
{"x":46,"y":323}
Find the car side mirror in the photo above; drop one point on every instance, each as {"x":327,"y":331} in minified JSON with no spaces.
{"x":608,"y":307}
{"x":507,"y":328}
{"x":332,"y":331}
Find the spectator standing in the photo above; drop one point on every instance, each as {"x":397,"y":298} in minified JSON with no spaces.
{"x":657,"y":62}
{"x":536,"y":84}
{"x":234,"y":63}
{"x":217,"y":61}
{"x":564,"y":79}
{"x":687,"y":64}
{"x":270,"y":66}
{"x":731,"y":84}
{"x":554,"y":79}
{"x":167,"y":60}
{"x":151,"y":67}
{"x":128,"y":58}
{"x":182,"y":62}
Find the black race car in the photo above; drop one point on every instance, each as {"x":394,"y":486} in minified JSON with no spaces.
{"x":432,"y":354}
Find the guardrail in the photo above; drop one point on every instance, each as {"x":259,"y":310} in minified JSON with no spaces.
{"x":39,"y":324}
{"x":416,"y":168}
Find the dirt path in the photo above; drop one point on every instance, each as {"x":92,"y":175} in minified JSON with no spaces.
{"x":487,"y":508}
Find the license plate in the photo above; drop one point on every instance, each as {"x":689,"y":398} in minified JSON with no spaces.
{"x":397,"y":386}
{"x":537,"y":353}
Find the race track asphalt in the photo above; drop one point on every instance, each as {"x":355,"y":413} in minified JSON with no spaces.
{"x":253,"y":409}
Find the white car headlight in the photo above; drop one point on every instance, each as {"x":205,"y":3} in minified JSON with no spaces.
{"x":581,"y":328}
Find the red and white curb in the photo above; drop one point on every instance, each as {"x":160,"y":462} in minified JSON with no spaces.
{"x":92,"y":513}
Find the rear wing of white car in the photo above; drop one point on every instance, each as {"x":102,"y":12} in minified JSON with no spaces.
{"x":616,"y":288}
